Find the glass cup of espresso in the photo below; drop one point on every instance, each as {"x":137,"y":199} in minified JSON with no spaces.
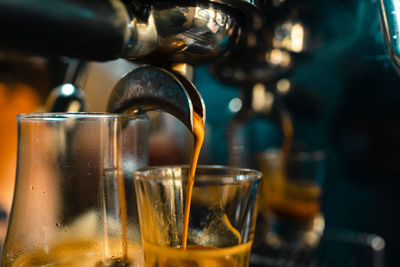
{"x":221,"y":222}
{"x":291,"y":197}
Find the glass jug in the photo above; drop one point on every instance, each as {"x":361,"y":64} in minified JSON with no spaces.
{"x":74,"y":183}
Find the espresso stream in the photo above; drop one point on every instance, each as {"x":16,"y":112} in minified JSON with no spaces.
{"x":198,"y":132}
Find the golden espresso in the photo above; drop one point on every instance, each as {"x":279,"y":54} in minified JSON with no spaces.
{"x":198,"y":132}
{"x":81,"y":253}
{"x":197,"y":256}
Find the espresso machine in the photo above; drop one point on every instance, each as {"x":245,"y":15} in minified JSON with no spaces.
{"x":326,"y":66}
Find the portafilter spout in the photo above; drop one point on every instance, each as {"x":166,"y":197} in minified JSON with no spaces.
{"x":154,"y":88}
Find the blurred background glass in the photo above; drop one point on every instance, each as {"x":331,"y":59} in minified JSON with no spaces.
{"x":291,"y":198}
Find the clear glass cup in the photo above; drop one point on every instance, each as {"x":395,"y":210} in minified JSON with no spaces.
{"x":73,"y":171}
{"x":290,"y":201}
{"x":222,"y":215}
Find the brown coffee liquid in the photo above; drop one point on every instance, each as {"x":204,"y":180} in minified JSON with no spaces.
{"x":198,"y":132}
{"x":236,"y":256}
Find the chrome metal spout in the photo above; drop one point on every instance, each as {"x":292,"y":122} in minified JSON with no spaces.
{"x":154,"y":88}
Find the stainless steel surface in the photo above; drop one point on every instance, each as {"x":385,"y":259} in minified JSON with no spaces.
{"x":281,"y":45}
{"x":194,"y":96}
{"x":76,"y":72}
{"x":188,"y":32}
{"x":390,"y":21}
{"x":66,"y":98}
{"x":250,"y":9}
{"x":152,"y":88}
{"x":184,"y":69}
{"x":148,"y":31}
{"x":69,"y":97}
{"x":168,"y":32}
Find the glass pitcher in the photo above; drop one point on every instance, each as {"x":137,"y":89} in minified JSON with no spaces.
{"x":74,"y":183}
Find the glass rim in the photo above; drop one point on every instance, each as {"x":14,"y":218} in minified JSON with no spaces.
{"x":230,"y":174}
{"x":67,"y":115}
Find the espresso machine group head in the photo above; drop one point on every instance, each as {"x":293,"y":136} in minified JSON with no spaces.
{"x":134,"y":29}
{"x":160,"y":33}
{"x":173,"y":36}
